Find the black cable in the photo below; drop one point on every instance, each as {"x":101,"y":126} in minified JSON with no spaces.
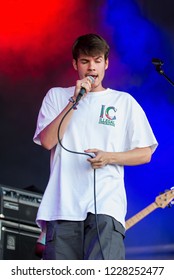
{"x":96,"y":217}
{"x":85,"y":154}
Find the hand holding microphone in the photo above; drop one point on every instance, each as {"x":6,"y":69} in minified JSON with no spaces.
{"x":85,"y":86}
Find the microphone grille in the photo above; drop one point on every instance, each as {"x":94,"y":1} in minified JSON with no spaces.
{"x":92,"y":79}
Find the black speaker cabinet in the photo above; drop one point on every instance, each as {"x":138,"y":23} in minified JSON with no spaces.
{"x":18,"y":205}
{"x":17,"y":241}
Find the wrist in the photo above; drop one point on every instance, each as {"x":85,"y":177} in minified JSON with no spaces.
{"x":72,"y":99}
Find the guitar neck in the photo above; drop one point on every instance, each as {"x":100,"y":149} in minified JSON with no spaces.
{"x":140,"y":215}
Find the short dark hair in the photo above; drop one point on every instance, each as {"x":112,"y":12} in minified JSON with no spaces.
{"x":90,"y":44}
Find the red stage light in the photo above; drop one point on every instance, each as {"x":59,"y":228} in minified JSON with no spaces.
{"x":35,"y":33}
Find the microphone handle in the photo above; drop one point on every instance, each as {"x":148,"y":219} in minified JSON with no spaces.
{"x":81,"y":93}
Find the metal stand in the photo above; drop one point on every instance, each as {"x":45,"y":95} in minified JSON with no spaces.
{"x":158,"y":64}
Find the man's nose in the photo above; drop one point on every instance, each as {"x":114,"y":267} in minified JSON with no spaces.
{"x":91,"y":65}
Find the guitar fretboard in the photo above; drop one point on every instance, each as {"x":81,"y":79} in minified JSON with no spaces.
{"x":140,"y":215}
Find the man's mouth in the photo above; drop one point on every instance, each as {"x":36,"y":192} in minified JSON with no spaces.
{"x":94,"y":76}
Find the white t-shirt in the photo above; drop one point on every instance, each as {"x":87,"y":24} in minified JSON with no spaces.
{"x":109,"y":120}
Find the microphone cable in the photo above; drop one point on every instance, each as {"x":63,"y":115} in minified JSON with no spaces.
{"x":85,"y":154}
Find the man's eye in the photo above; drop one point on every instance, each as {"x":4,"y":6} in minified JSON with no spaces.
{"x":98,"y":61}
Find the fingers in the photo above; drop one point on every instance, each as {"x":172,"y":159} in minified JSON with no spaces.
{"x":91,"y":151}
{"x":85,"y":83}
{"x":99,"y":160}
{"x":95,"y":164}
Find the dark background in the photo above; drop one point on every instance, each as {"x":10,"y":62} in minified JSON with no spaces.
{"x":35,"y":55}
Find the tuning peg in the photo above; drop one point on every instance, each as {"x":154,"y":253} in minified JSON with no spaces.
{"x":169,"y":205}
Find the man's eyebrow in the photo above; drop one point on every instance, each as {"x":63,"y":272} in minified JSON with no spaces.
{"x":95,"y":57}
{"x":98,"y":57}
{"x":83,"y":58}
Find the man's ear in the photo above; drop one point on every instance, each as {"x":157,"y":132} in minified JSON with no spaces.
{"x":106,"y":63}
{"x":74,"y":63}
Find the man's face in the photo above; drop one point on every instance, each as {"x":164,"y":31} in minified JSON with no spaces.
{"x":92,"y":66}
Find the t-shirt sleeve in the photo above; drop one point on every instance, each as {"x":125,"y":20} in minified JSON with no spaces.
{"x":139,"y":132}
{"x":48,"y":112}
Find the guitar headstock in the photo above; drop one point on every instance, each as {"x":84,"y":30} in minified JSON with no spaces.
{"x":165,"y":199}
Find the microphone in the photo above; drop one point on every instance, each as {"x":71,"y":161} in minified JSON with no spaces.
{"x":83,"y":90}
{"x":157,"y":62}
